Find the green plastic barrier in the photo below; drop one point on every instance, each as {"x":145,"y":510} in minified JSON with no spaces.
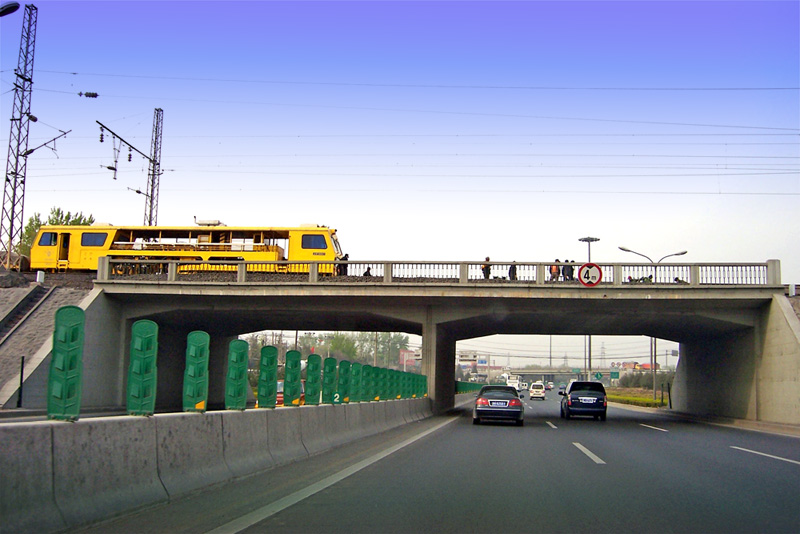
{"x":398,"y":384}
{"x":291,"y":382}
{"x":236,"y":380}
{"x":66,"y":365}
{"x":367,"y":383}
{"x":405,"y":383}
{"x":268,"y":377}
{"x":356,"y":380}
{"x":313,"y":379}
{"x":142,"y":371}
{"x":343,"y":384}
{"x":328,"y":380}
{"x":195,"y":376}
{"x":380,"y":383}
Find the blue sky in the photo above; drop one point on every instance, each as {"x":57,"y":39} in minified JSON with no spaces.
{"x":433,"y":130}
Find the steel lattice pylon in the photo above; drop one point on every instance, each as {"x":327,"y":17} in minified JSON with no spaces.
{"x":16,"y":166}
{"x":154,"y":173}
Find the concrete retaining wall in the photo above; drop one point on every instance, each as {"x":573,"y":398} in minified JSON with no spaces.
{"x":58,"y":475}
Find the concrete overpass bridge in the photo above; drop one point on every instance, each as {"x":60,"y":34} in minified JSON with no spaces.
{"x":740,"y":339}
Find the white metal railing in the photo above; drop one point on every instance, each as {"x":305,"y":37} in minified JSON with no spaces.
{"x":405,"y":272}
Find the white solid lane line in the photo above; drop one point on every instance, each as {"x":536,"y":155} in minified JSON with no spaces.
{"x":767,"y":455}
{"x":551,"y":425}
{"x":653,"y":427}
{"x":588,"y":453}
{"x":248,"y":520}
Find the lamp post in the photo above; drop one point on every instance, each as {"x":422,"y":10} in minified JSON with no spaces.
{"x":653,"y":340}
{"x":589,"y":241}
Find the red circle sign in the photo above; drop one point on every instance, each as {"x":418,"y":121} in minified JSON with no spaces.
{"x":590,"y":274}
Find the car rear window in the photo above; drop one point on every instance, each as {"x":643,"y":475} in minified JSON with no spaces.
{"x":537,"y":386}
{"x":498,"y":391}
{"x":588,"y":386}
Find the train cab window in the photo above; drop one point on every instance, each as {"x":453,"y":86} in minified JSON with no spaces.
{"x":93,"y":239}
{"x":48,"y":239}
{"x":314,"y":241}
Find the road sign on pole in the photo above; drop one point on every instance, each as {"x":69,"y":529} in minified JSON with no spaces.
{"x":598,"y":375}
{"x":590,"y":274}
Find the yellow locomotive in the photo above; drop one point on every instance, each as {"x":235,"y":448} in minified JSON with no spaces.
{"x":77,"y":248}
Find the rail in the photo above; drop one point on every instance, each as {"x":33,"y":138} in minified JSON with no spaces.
{"x":438,"y":273}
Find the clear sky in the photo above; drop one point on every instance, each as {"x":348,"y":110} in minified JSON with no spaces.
{"x":432,"y":130}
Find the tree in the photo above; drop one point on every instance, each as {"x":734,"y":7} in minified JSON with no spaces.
{"x":57,"y":218}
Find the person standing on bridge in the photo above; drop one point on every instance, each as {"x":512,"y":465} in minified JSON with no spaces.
{"x":568,"y":270}
{"x":341,"y":269}
{"x":555,"y":271}
{"x":512,"y":271}
{"x":487,"y":269}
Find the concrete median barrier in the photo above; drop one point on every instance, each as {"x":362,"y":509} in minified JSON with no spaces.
{"x":285,"y":438}
{"x":314,"y":428}
{"x":246,"y":442}
{"x":190,"y":451}
{"x":336,"y":422}
{"x":27,"y":503}
{"x":103,"y":465}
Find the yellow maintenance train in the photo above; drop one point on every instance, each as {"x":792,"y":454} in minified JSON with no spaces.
{"x":77,"y":248}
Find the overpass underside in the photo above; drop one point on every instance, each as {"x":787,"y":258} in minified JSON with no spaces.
{"x":740,"y":348}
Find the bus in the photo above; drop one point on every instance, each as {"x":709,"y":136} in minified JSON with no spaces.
{"x":78,"y":248}
{"x":514,"y":381}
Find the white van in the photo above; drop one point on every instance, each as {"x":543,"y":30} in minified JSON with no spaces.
{"x":537,"y":391}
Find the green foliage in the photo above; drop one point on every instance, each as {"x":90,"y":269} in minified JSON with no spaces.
{"x":57,"y":217}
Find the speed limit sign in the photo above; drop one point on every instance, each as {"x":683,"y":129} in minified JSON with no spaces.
{"x":590,"y":274}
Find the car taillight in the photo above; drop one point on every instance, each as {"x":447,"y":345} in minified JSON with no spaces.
{"x":482,"y":402}
{"x":605,"y":401}
{"x":514,"y":402}
{"x":569,"y":400}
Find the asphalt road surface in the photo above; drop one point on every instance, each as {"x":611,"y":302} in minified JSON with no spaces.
{"x":639,"y":471}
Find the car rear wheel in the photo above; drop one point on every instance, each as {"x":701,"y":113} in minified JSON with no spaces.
{"x":566,"y":413}
{"x":476,"y":421}
{"x":603,"y":417}
{"x":520,"y":422}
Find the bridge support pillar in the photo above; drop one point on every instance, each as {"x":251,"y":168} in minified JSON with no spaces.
{"x":439,"y":362}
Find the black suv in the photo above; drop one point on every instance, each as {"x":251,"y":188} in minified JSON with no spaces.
{"x":584,"y":398}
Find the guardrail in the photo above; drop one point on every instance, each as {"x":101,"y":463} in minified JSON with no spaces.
{"x":400,"y":272}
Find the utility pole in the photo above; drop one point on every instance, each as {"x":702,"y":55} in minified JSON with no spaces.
{"x":154,"y":172}
{"x":16,"y":164}
{"x":154,"y":169}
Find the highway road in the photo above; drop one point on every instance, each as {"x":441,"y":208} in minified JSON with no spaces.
{"x":639,"y":471}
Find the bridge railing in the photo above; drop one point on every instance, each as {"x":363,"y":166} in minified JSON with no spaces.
{"x":423,"y":272}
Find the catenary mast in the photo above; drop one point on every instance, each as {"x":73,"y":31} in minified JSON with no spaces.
{"x":16,"y":165}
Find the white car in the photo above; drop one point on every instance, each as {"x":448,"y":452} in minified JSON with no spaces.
{"x":537,"y":391}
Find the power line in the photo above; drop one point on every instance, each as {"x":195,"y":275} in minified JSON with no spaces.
{"x":420,"y":86}
{"x":439,"y":112}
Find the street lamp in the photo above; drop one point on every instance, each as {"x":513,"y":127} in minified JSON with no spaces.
{"x":589,"y":241}
{"x":8,"y":8}
{"x":653,"y":340}
{"x":681,"y":253}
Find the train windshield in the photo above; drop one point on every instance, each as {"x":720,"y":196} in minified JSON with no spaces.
{"x":336,"y":246}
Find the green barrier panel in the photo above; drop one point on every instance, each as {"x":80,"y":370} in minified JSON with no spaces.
{"x":367,"y":383}
{"x":405,"y":385}
{"x":380,"y":386}
{"x":291,"y":382}
{"x":424,"y":386}
{"x":268,"y":377}
{"x":195,"y":376}
{"x":313,"y":379}
{"x":142,"y":371}
{"x":398,"y":384}
{"x":328,"y":380}
{"x":236,"y":383}
{"x":343,"y":384}
{"x":66,"y":365}
{"x":390,"y":380}
{"x":414,"y":386}
{"x":356,"y":380}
